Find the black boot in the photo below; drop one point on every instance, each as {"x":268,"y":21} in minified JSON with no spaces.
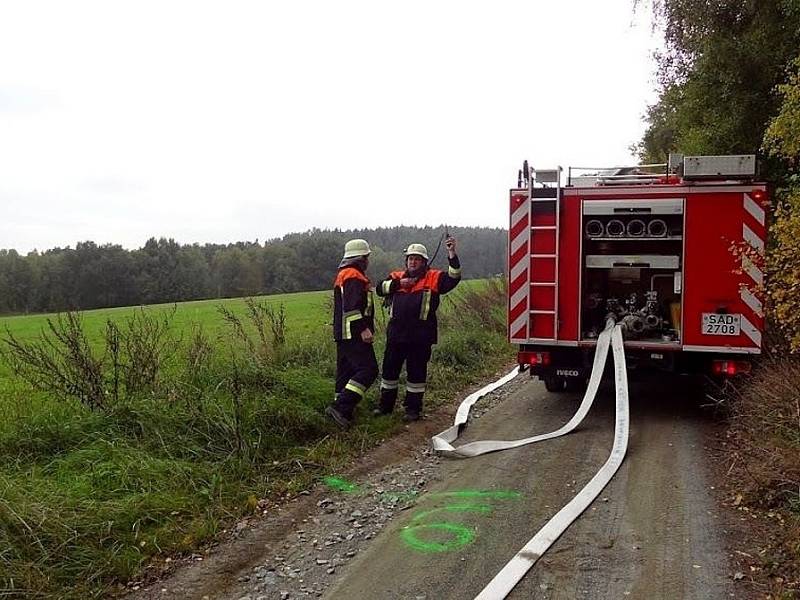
{"x":413,"y":405}
{"x":342,"y":409}
{"x":338,"y":417}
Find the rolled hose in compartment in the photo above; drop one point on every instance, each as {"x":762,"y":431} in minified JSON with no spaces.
{"x":636,"y":228}
{"x":657,"y":228}
{"x":615,"y":228}
{"x":594,"y":228}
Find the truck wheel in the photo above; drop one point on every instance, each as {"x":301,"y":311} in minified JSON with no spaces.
{"x":554,"y":383}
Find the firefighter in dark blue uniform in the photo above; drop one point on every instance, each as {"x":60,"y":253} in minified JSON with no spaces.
{"x":353,"y":327}
{"x":412,"y":331}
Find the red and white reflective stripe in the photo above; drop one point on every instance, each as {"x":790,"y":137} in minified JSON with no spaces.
{"x":751,"y":301}
{"x":751,"y":238}
{"x":751,"y":331}
{"x":754,"y":234}
{"x":518,"y":264}
{"x":758,"y":213}
{"x":753,"y":271}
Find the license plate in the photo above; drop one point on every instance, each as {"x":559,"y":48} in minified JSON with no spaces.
{"x":714,"y":324}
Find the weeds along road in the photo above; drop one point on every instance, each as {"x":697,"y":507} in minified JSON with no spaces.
{"x":653,"y":532}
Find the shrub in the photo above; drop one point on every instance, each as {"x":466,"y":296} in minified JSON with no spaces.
{"x":783,"y":267}
{"x":767,"y":410}
{"x":62,"y":362}
{"x":480,"y":304}
{"x":268,"y":324}
{"x":782,"y":141}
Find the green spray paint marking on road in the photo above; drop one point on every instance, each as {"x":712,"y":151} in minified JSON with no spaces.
{"x":480,"y":508}
{"x":340,"y":485}
{"x":459,"y":535}
{"x":455,"y":535}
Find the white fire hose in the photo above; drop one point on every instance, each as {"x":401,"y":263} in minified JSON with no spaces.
{"x":518,"y":566}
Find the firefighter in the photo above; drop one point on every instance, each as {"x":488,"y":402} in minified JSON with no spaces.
{"x":353,"y":326}
{"x":412,"y":330}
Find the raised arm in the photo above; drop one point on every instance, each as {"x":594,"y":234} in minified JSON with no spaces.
{"x":450,"y":278}
{"x":388,"y":286}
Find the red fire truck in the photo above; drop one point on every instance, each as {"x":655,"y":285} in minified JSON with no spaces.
{"x":651,"y":246}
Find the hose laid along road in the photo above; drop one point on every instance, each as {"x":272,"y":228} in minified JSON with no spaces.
{"x":508,"y":577}
{"x":442,"y":441}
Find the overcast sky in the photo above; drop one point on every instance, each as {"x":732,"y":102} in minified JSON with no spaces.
{"x":227,"y":121}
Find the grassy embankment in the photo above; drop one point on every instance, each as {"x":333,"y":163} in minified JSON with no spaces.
{"x":764,"y":472}
{"x":185,"y":427}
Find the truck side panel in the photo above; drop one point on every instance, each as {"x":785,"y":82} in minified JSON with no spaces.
{"x":569,"y":268}
{"x":714,"y":280}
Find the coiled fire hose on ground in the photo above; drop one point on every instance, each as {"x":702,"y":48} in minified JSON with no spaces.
{"x":520,"y":564}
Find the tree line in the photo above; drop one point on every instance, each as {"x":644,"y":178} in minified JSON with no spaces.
{"x":101,"y":276}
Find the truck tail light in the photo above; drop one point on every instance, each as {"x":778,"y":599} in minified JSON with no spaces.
{"x":729,"y":368}
{"x":534,"y":359}
{"x":758,"y":195}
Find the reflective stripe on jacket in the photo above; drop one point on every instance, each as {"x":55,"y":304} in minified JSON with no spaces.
{"x":353,"y":308}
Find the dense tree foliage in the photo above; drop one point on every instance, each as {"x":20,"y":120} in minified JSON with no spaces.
{"x":729,"y":81}
{"x":91,"y":276}
{"x":718,"y":74}
{"x":782,"y":141}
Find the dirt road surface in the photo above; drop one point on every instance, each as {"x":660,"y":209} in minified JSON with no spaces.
{"x":436,"y":529}
{"x":653,"y":533}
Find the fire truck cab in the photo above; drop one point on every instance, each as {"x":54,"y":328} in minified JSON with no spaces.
{"x":673,"y":252}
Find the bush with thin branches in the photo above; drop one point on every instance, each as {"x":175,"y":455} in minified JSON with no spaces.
{"x":265,"y":335}
{"x":62,"y":361}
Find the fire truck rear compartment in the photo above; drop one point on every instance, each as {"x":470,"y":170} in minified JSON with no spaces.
{"x":632,"y":259}
{"x":650,"y":247}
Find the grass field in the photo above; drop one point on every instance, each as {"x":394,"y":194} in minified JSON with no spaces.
{"x":89,"y":495}
{"x":305,"y":310}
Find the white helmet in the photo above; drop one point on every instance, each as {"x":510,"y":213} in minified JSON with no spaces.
{"x":418,"y":249}
{"x":355,"y":248}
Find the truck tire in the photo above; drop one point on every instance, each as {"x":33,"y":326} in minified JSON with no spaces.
{"x":554,"y":383}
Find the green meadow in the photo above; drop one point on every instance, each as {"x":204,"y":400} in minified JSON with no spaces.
{"x":195,"y":414}
{"x":305,"y":310}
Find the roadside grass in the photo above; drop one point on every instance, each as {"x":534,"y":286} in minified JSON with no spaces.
{"x":765,"y":438}
{"x":90,"y":495}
